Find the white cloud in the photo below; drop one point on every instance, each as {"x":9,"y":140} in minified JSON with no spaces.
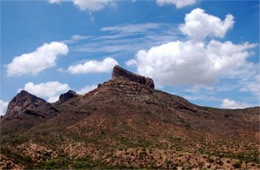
{"x":86,"y":89}
{"x":194,"y":62}
{"x":90,"y":5}
{"x":124,"y":39}
{"x":49,"y":90}
{"x":231,"y":104}
{"x":42,"y":58}
{"x":201,"y":97}
{"x":132,"y":28}
{"x":3,"y":107}
{"x":93,"y":66}
{"x":54,"y":1}
{"x":252,"y":85}
{"x":199,"y":25}
{"x":178,"y":3}
{"x":131,"y":62}
{"x":76,"y":38}
{"x":190,"y":63}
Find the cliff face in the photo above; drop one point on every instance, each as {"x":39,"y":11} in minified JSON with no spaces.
{"x":120,"y":73}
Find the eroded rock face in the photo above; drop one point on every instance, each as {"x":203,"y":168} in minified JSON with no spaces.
{"x":66,"y":96}
{"x":25,"y":103}
{"x":122,"y":74}
{"x":22,"y":101}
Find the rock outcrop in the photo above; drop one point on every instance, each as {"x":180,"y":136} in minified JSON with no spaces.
{"x":121,"y":74}
{"x":22,"y":101}
{"x":26,"y":103}
{"x":67,"y":96}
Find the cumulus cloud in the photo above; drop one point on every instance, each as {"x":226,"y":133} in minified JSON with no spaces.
{"x":194,"y":62}
{"x":199,"y":25}
{"x":3,"y":107}
{"x":86,"y":89}
{"x":48,"y":90}
{"x":131,"y":62}
{"x":90,"y":5}
{"x":93,"y":66}
{"x":42,"y":58}
{"x":231,"y":104}
{"x":189,"y":63}
{"x":178,"y":3}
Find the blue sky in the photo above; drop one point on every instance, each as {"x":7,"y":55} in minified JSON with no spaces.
{"x":205,"y":51}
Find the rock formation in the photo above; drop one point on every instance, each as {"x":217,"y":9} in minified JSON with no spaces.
{"x":66,"y":96}
{"x":122,"y":74}
{"x":22,"y":101}
{"x":25,"y":107}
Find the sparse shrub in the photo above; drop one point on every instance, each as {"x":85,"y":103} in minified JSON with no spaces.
{"x":62,"y":161}
{"x":203,"y":168}
{"x":189,"y":167}
{"x":236,"y":164}
{"x":51,"y":164}
{"x":28,"y":159}
{"x":219,"y":162}
{"x":81,"y":164}
{"x":210,"y":159}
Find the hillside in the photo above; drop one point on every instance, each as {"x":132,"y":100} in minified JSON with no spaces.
{"x":126,"y":123}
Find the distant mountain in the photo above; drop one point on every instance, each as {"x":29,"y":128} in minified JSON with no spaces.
{"x":127,"y":123}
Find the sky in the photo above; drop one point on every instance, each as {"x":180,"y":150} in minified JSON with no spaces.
{"x":206,"y":51}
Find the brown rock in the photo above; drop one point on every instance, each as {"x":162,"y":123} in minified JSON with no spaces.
{"x":67,"y":96}
{"x":122,"y":74}
{"x":22,"y":101}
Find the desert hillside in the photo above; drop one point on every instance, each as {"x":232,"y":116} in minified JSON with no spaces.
{"x":126,"y":123}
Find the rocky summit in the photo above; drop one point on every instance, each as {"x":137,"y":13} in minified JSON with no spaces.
{"x":67,"y":96}
{"x":126,"y":123}
{"x":120,"y":73}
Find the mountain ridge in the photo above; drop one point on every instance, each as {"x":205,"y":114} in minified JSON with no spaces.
{"x":125,"y":123}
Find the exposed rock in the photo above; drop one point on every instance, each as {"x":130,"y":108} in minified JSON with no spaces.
{"x":24,"y":111}
{"x":22,"y":101}
{"x":66,"y":96}
{"x":122,"y":74}
{"x":149,"y":82}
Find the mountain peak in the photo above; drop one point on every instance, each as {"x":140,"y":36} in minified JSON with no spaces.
{"x":24,"y":93}
{"x":66,"y":96}
{"x":21,"y":101}
{"x":120,"y":73}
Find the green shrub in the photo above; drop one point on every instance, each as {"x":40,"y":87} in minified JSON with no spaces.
{"x":81,"y":164}
{"x":52,"y":164}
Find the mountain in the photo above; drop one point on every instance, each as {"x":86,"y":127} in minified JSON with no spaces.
{"x":127,"y":123}
{"x":24,"y":111}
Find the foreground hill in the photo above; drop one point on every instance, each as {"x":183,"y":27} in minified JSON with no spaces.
{"x":126,"y":123}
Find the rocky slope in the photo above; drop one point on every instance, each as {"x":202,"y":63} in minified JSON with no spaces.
{"x":26,"y":110}
{"x":126,"y":123}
